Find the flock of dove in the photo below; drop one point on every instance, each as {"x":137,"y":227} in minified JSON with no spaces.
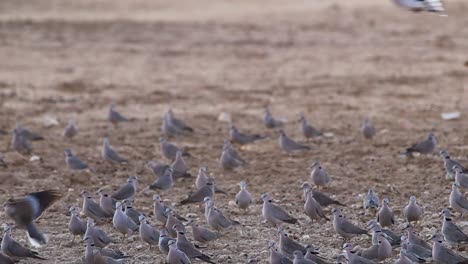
{"x":116,"y":208}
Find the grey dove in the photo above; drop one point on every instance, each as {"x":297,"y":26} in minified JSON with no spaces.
{"x":345,"y":228}
{"x":172,"y":221}
{"x":275,"y":256}
{"x":187,"y":247}
{"x":114,"y":116}
{"x":127,"y":191}
{"x":319,"y":176}
{"x":313,"y":254}
{"x":169,"y":150}
{"x":443,"y":255}
{"x":414,"y":239}
{"x":232,"y":151}
{"x":368,"y":129}
{"x":71,"y":130}
{"x":203,"y":178}
{"x":100,"y":238}
{"x":449,"y":164}
{"x":92,"y":209}
{"x":426,"y":146}
{"x":159,"y":210}
{"x":403,"y":259}
{"x":106,"y":252}
{"x":131,"y":211}
{"x":178,"y":123}
{"x":352,"y":257}
{"x":385,"y":249}
{"x":243,"y":198}
{"x":313,"y":209}
{"x":13,"y":249}
{"x":460,"y":177}
{"x":179,"y":167}
{"x":376,"y":228}
{"x":110,"y":154}
{"x":230,"y":159}
{"x":242,"y":138}
{"x":371,"y":200}
{"x":164,"y":182}
{"x":308,"y":131}
{"x":175,"y":255}
{"x":122,"y":222}
{"x":299,"y":258}
{"x":163,"y":243}
{"x":453,"y":234}
{"x":385,"y":215}
{"x":158,"y":168}
{"x":270,"y":121}
{"x":24,"y":211}
{"x":202,"y":234}
{"x":20,"y":143}
{"x":288,"y":145}
{"x":421,"y":5}
{"x":275,"y":214}
{"x":76,"y":226}
{"x":287,"y":245}
{"x":416,"y":251}
{"x":73,"y":162}
{"x":215,"y":218}
{"x":321,"y":198}
{"x":457,"y":200}
{"x":199,"y":195}
{"x":413,"y":211}
{"x":148,"y":234}
{"x":106,"y":202}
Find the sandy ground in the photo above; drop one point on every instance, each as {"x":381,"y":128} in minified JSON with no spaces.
{"x":335,"y":61}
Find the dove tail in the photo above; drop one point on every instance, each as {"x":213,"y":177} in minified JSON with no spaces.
{"x":36,"y":238}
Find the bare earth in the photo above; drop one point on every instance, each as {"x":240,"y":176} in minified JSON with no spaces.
{"x":337,"y":61}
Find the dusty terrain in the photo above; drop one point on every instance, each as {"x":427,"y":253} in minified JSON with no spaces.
{"x":336,"y":62}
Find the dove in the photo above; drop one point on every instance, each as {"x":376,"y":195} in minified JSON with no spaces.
{"x":321,"y":198}
{"x":122,"y":222}
{"x":380,"y":251}
{"x":127,"y":191}
{"x":313,"y":254}
{"x":288,"y":145}
{"x":299,"y":258}
{"x":460,"y":177}
{"x":179,"y":167}
{"x":20,"y":143}
{"x":115,"y":117}
{"x":318,"y":175}
{"x":202,"y":234}
{"x":159,"y":210}
{"x":28,"y":134}
{"x":164,"y":241}
{"x":71,"y":129}
{"x":371,"y":200}
{"x":421,"y":5}
{"x":273,"y":213}
{"x":76,"y":226}
{"x":73,"y":162}
{"x":313,"y":209}
{"x":13,"y":249}
{"x":179,"y":124}
{"x":367,"y":129}
{"x":270,"y":121}
{"x":229,"y":148}
{"x":243,"y":198}
{"x":110,"y":253}
{"x":148,"y":234}
{"x":416,"y":251}
{"x":354,"y":258}
{"x":158,"y":168}
{"x":187,"y":247}
{"x":345,"y":228}
{"x":26,"y":210}
{"x":175,"y":255}
{"x":376,"y":228}
{"x":228,"y":161}
{"x":131,"y":212}
{"x":110,"y":154}
{"x":169,"y":150}
{"x":403,"y":259}
{"x":413,"y":211}
{"x":457,"y":200}
{"x":371,"y":252}
{"x":164,"y":182}
{"x":451,"y":232}
{"x":441,"y":254}
{"x":242,"y":138}
{"x":92,"y":209}
{"x":275,"y":256}
{"x":106,"y":202}
{"x":385,"y":215}
{"x":414,"y":239}
{"x":287,"y":245}
{"x":4,"y":259}
{"x":202,"y":179}
{"x":449,"y":164}
{"x":199,"y":195}
{"x":172,"y":221}
{"x":100,"y":238}
{"x":426,"y":146}
{"x":307,"y":130}
{"x":215,"y":218}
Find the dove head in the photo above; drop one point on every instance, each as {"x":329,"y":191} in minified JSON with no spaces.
{"x":163,"y":233}
{"x":127,"y":202}
{"x":106,"y":141}
{"x":443,"y":153}
{"x":445,"y":213}
{"x":156,"y":198}
{"x":455,"y":186}
{"x":6,"y":228}
{"x":202,"y":170}
{"x":298,"y":254}
{"x":179,"y":228}
{"x":68,"y":152}
{"x":348,"y":246}
{"x":162,"y":140}
{"x":72,"y":210}
{"x":457,"y":168}
{"x":336,"y":212}
{"x":85,"y":194}
{"x":280,"y":230}
{"x":179,"y":154}
{"x":271,"y":244}
{"x":233,"y":128}
{"x":385,"y":201}
{"x":170,"y":113}
{"x":103,"y":192}
{"x":265,"y":197}
{"x":432,"y":137}
{"x":412,"y":199}
{"x":141,"y":218}
{"x":132,"y":179}
{"x":243,"y":184}
{"x":282,"y":133}
{"x":437,"y":237}
{"x":118,"y":205}
{"x":316,"y":164}
{"x":306,"y":186}
{"x":171,"y":243}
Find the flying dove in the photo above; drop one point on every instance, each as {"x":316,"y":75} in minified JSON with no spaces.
{"x":179,"y":167}
{"x":76,"y":226}
{"x":414,"y":239}
{"x":92,"y":209}
{"x":172,"y":221}
{"x":177,"y":123}
{"x":28,"y":134}
{"x":100,"y":238}
{"x":26,"y":210}
{"x":345,"y":228}
{"x":275,"y":214}
{"x":287,"y":245}
{"x":128,"y":190}
{"x":110,"y":154}
{"x":73,"y":162}
{"x":460,"y":177}
{"x":376,"y":228}
{"x":288,"y":145}
{"x":299,"y":258}
{"x":275,"y":256}
{"x":313,"y":254}
{"x":313,"y":209}
{"x":164,"y":182}
{"x":175,"y":255}
{"x":20,"y":143}
{"x":321,"y":198}
{"x":371,"y":200}
{"x":106,"y":202}
{"x":318,"y":175}
{"x":242,"y":138}
{"x":158,"y":168}
{"x":187,"y":247}
{"x":308,"y":131}
{"x":426,"y":146}
{"x":169,"y":150}
{"x":441,"y":254}
{"x":215,"y":218}
{"x":413,"y":211}
{"x":449,"y":164}
{"x":4,"y":259}
{"x":202,"y":234}
{"x":385,"y":215}
{"x":13,"y":249}
{"x":421,"y":5}
{"x":71,"y":129}
{"x":270,"y":121}
{"x":354,"y":258}
{"x":243,"y":198}
{"x":367,"y":129}
{"x":114,"y":116}
{"x":131,"y":212}
{"x":148,"y":234}
{"x":451,"y":232}
{"x":122,"y":222}
{"x":164,"y":241}
{"x":199,"y":195}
